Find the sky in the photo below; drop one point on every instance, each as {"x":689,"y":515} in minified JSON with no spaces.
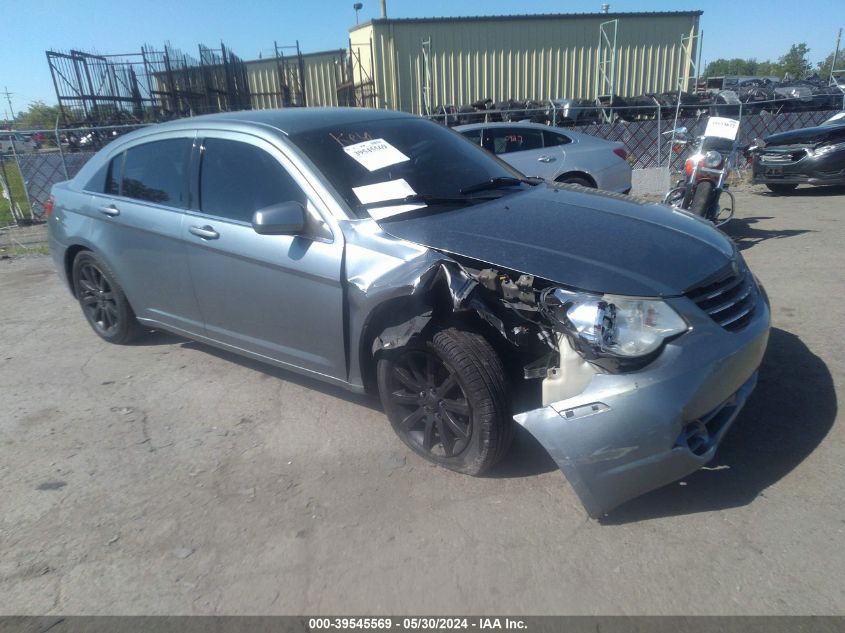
{"x":732,"y":28}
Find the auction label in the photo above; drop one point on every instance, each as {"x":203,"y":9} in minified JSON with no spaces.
{"x":722,"y":127}
{"x":375,"y":154}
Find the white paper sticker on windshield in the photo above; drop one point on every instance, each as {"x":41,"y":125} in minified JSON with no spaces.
{"x":383,"y":191}
{"x":375,"y":154}
{"x":722,"y":127}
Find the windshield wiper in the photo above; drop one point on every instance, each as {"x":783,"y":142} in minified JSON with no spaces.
{"x":500,"y":181}
{"x":426,"y":199}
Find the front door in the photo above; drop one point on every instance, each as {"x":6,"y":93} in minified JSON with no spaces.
{"x":276,"y":296}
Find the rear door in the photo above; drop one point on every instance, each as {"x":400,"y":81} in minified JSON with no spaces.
{"x":521,"y":147}
{"x":137,"y":204}
{"x":276,"y":296}
{"x":556,"y":145}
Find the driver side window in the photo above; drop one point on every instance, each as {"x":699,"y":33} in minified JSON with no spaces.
{"x":237,"y":179}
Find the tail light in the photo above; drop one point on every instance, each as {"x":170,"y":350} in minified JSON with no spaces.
{"x":48,"y":208}
{"x":621,"y":152}
{"x":688,"y":166}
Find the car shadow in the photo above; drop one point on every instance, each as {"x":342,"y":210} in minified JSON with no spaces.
{"x":743,"y":232}
{"x":154,"y":338}
{"x":809,"y":192}
{"x":157,"y":337}
{"x":526,"y":458}
{"x":790,"y":412}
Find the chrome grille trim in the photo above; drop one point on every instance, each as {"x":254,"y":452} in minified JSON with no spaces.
{"x":729,"y":300}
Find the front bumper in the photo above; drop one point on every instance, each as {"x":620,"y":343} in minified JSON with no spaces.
{"x":800,"y":167}
{"x":627,"y":434}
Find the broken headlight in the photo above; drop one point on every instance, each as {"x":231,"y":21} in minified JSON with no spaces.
{"x":607,"y":325}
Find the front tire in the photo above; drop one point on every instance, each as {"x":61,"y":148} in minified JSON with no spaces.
{"x":102,"y":300}
{"x":701,"y":198}
{"x":782,"y":189}
{"x":448,"y":400}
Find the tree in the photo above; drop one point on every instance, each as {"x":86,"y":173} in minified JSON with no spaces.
{"x":795,"y":62}
{"x":736,"y":66}
{"x":39,"y":116}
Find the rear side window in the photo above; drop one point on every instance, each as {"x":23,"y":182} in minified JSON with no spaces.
{"x":105,"y":180}
{"x":505,"y":140}
{"x":237,"y":179}
{"x":473,"y":135}
{"x":550,"y":139}
{"x":157,"y":172}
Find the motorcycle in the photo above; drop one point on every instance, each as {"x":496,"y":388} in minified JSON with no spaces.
{"x":714,"y":153}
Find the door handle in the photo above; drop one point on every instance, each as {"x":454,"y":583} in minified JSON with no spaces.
{"x":109,"y":210}
{"x":546,"y":159}
{"x":205,"y":232}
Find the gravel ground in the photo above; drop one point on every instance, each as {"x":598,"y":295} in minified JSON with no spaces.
{"x":171,"y":478}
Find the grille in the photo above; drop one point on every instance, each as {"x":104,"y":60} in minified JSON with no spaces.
{"x":784,"y":157}
{"x":729,"y":300}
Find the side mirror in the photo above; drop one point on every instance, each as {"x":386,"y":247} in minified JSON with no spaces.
{"x":285,"y":218}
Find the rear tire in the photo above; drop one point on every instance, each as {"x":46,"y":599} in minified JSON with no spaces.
{"x":701,"y":198}
{"x":782,"y":189}
{"x":102,"y":300}
{"x":448,"y":400}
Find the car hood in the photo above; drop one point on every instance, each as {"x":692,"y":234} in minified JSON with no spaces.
{"x":592,"y":241}
{"x":808,"y":136}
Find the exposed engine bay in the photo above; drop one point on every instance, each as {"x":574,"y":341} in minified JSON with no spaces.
{"x":519,"y":307}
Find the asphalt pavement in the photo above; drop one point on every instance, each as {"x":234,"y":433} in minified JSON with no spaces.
{"x":171,"y":478}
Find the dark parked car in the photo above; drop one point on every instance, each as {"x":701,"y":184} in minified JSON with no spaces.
{"x":378,"y":250}
{"x":813,"y":156}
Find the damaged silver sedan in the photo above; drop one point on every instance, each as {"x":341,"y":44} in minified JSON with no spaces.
{"x":382,"y":252}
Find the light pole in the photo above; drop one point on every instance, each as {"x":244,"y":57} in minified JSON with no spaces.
{"x":357,"y":6}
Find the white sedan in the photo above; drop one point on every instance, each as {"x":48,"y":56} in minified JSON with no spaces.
{"x":555,"y":154}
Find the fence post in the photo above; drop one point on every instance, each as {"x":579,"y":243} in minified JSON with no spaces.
{"x":659,"y":140}
{"x":61,"y":151}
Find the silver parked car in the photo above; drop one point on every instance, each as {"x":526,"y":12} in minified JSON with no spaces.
{"x":554,"y":154}
{"x":380,"y":251}
{"x":14,"y":141}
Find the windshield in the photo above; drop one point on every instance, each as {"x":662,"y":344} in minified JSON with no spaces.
{"x":378,"y":161}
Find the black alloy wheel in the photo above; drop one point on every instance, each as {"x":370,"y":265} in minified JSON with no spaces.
{"x":98,"y":300}
{"x":102,"y":300}
{"x":437,"y":417}
{"x":448,"y":399}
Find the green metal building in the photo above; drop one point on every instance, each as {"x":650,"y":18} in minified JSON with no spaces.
{"x":417,"y":64}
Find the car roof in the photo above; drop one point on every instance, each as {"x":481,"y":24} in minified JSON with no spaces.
{"x":566,"y":131}
{"x":475,"y":126}
{"x":290,"y":121}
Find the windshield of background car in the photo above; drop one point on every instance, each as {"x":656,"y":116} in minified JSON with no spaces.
{"x":390,"y":159}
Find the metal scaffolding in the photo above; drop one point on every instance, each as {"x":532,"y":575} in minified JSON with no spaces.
{"x":161,"y":84}
{"x":606,"y":68}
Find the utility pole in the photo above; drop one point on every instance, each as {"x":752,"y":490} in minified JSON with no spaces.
{"x":9,"y":101}
{"x":835,"y":55}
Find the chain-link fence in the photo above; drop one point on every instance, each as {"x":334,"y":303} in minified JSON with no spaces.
{"x":641,"y":128}
{"x":44,"y":157}
{"x":37,"y":159}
